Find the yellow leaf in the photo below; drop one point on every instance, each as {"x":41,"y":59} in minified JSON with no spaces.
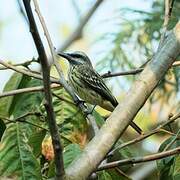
{"x":47,"y":148}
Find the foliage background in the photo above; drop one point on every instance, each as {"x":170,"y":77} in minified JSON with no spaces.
{"x":120,"y":36}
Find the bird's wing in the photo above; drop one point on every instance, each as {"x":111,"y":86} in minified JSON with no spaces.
{"x":95,"y":81}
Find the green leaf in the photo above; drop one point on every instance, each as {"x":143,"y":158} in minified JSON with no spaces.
{"x":70,"y":153}
{"x":35,"y":141}
{"x":71,"y":121}
{"x":21,"y":103}
{"x":27,"y":102}
{"x":98,"y":118}
{"x":123,"y":153}
{"x":51,"y":171}
{"x":16,"y":157}
{"x":165,"y":166}
{"x":6,"y":102}
{"x":103,"y":175}
{"x":115,"y":174}
{"x":176,"y":168}
{"x":72,"y":126}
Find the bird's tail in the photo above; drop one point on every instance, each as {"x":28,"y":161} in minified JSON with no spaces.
{"x":133,"y":125}
{"x":136,"y":127}
{"x":110,"y":105}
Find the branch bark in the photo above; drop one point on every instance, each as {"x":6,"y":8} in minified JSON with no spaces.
{"x":131,"y":72}
{"x":26,"y":90}
{"x":21,"y":119}
{"x":25,"y":64}
{"x":142,"y":137}
{"x":167,"y":15}
{"x":136,"y":160}
{"x":58,"y":150}
{"x":26,"y":72}
{"x":125,"y":112}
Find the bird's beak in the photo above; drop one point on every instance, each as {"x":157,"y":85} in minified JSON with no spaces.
{"x":68,"y":57}
{"x":65,"y":55}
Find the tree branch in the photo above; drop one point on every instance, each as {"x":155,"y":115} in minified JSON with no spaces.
{"x":131,"y":72}
{"x":125,"y":112}
{"x":26,"y":90}
{"x":140,"y":138}
{"x":25,"y":64}
{"x":26,"y":72}
{"x":173,"y":141}
{"x":21,"y":119}
{"x":136,"y":160}
{"x":58,"y":150}
{"x":167,"y":15}
{"x":77,"y":33}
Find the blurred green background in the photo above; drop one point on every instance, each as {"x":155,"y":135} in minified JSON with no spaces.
{"x":120,"y":36}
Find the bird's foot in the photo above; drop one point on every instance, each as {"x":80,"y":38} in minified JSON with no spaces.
{"x":79,"y":102}
{"x":89,"y":111}
{"x":81,"y":105}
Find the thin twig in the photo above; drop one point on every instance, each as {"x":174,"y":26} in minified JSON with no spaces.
{"x":58,"y":149}
{"x":24,"y":121}
{"x":136,"y":160}
{"x":47,"y":35}
{"x":26,"y":90}
{"x":173,"y":141}
{"x":77,"y":33}
{"x":54,"y":80}
{"x":33,"y":89}
{"x":141,"y":137}
{"x":59,"y":70}
{"x":26,"y":72}
{"x":63,"y":99}
{"x":121,"y":173}
{"x":25,"y":64}
{"x":131,"y":72}
{"x":21,"y":119}
{"x":28,"y":114}
{"x":167,"y":15}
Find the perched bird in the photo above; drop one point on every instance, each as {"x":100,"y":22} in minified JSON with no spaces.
{"x":88,"y":84}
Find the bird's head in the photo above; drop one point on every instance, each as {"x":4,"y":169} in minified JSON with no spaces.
{"x":76,"y":58}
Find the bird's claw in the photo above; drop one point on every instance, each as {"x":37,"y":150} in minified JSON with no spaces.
{"x":89,"y":111}
{"x":79,"y":102}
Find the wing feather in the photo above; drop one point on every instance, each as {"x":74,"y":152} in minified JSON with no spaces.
{"x":95,"y":81}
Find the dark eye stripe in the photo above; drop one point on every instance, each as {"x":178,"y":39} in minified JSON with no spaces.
{"x":76,"y":55}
